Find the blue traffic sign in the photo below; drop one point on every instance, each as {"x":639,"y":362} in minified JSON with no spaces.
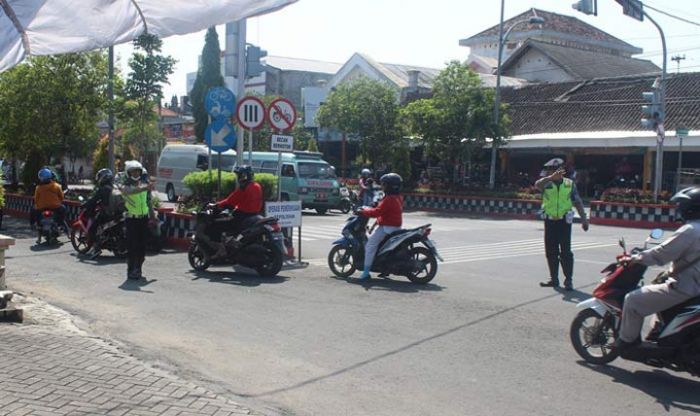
{"x":220,"y":135}
{"x":220,"y":102}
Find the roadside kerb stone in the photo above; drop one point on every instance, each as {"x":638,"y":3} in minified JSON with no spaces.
{"x":49,"y":366}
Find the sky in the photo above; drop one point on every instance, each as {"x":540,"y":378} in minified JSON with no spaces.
{"x":425,"y":34}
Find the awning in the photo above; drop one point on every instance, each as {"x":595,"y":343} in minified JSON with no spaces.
{"x":47,"y":27}
{"x":602,"y":139}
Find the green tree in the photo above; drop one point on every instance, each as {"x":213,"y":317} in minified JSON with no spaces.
{"x":51,"y":106}
{"x":312,"y":146}
{"x":456,"y":121}
{"x":366,"y":108}
{"x":208,"y":76}
{"x":144,"y":85}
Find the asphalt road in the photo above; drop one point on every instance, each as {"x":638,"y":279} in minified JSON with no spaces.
{"x":481,"y":339}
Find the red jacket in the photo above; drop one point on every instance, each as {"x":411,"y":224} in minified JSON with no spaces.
{"x":248,"y":200}
{"x":388,"y":212}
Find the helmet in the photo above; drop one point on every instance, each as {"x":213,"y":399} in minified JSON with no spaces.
{"x":104,"y":176}
{"x":551,"y":166}
{"x":244,"y":172}
{"x":130,"y":165}
{"x":687,"y":203}
{"x":45,"y":175}
{"x":392,"y":183}
{"x":365,"y":172}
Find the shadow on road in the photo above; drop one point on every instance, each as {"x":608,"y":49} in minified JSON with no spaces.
{"x":668,"y":390}
{"x":401,"y":286}
{"x":137,"y":285}
{"x":43,"y":247}
{"x":17,"y":227}
{"x":237,"y":278}
{"x":573,"y":296}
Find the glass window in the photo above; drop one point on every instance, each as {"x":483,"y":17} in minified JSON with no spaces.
{"x":269,"y":167}
{"x":316,"y":170}
{"x":288,"y":171}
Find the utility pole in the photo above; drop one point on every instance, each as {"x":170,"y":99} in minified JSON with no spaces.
{"x":660,"y":128}
{"x":678,"y":59}
{"x":242,"y":32}
{"x":110,"y":97}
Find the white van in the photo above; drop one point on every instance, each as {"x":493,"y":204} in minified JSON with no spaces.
{"x":177,"y":160}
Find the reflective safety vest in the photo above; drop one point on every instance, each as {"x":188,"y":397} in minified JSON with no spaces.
{"x":556,"y":199}
{"x":136,"y":204}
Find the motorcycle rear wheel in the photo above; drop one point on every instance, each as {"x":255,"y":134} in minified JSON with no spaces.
{"x":599,"y":335}
{"x":345,"y":206}
{"x":273,"y":261}
{"x":340,"y":261}
{"x":79,"y":240}
{"x":429,"y":270}
{"x":197,"y":259}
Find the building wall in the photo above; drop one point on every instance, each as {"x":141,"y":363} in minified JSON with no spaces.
{"x":535,"y":66}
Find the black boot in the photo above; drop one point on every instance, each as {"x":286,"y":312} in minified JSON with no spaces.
{"x":550,"y":283}
{"x":568,"y":284}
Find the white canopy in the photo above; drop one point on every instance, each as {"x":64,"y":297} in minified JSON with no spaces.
{"x":46,"y":27}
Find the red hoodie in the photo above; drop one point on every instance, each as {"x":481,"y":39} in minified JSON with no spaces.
{"x":248,"y":200}
{"x":388,"y":212}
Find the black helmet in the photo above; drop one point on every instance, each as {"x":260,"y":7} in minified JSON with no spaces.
{"x":244,"y":172}
{"x":103,"y":177}
{"x":687,"y":203}
{"x":392,"y":183}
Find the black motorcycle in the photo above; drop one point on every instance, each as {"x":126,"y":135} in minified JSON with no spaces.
{"x":258,"y":247}
{"x":408,"y":253}
{"x":674,"y":344}
{"x":49,"y":227}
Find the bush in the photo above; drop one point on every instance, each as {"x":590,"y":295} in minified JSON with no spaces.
{"x":268,"y":182}
{"x":203,"y":185}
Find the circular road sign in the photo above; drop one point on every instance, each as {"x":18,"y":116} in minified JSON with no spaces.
{"x":220,"y":102}
{"x":282,"y":114}
{"x":251,"y":113}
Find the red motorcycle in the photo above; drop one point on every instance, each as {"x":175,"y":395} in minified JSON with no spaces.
{"x":674,"y":344}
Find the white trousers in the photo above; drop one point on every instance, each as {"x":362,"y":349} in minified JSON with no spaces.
{"x":374,"y":240}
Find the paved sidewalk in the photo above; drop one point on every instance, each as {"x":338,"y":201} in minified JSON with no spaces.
{"x":50,"y":367}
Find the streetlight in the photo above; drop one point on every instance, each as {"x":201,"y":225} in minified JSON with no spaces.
{"x":497,"y":102}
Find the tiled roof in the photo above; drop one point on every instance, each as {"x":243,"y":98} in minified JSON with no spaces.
{"x":554,"y":23}
{"x":611,"y":104}
{"x":583,"y":64}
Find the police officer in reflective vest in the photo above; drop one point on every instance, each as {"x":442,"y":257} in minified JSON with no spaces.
{"x":559,"y":196}
{"x":135,"y":188}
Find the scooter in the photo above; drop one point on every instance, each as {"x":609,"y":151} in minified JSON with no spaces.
{"x":408,"y":253}
{"x":259,"y":245}
{"x":349,"y":201}
{"x":674,"y":344}
{"x":48,"y":227}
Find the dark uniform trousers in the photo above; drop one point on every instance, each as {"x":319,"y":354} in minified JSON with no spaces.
{"x":557,"y":244}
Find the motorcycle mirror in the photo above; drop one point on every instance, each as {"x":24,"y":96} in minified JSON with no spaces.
{"x":656,"y":233}
{"x":623,"y":244}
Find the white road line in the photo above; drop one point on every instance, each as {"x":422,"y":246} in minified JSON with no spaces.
{"x":524,"y":250}
{"x":505,"y":256}
{"x":506,"y":247}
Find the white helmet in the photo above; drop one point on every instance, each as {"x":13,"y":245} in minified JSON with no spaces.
{"x":133,"y":165}
{"x":365,"y":172}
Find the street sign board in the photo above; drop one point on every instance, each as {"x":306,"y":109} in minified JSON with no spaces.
{"x":633,"y":9}
{"x":681,"y":131}
{"x":220,"y":135}
{"x":282,"y":114}
{"x":280,"y":143}
{"x":288,"y":213}
{"x":251,"y":113}
{"x":220,"y":102}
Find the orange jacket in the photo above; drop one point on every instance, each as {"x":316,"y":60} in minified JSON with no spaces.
{"x":48,"y":196}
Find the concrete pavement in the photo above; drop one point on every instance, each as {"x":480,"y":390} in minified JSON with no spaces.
{"x":48,"y":366}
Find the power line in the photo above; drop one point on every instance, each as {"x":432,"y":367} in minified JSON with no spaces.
{"x":672,"y":15}
{"x":685,"y":12}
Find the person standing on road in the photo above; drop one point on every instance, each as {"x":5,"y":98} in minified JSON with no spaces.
{"x":559,"y":196}
{"x":366,"y":187}
{"x":135,"y":187}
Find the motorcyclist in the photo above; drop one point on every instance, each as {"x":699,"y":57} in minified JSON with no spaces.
{"x":136,"y":187}
{"x":245,"y":201}
{"x":366,"y":187}
{"x":48,"y":195}
{"x":681,"y":250}
{"x":389,"y":215}
{"x":104,"y":181}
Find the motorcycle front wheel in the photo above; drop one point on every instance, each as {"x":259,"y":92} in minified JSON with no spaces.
{"x":340,"y":261}
{"x":273,"y":260}
{"x":197,"y":259}
{"x":429,"y":265}
{"x":79,"y":240}
{"x":345,"y":206}
{"x":592,"y":337}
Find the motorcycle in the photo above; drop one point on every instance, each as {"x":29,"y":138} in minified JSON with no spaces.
{"x":674,"y":344}
{"x":408,"y":253}
{"x":112,"y":234}
{"x":48,"y":227}
{"x":258,"y":247}
{"x":349,"y":201}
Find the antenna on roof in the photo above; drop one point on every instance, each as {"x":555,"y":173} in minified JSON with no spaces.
{"x":678,"y":59}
